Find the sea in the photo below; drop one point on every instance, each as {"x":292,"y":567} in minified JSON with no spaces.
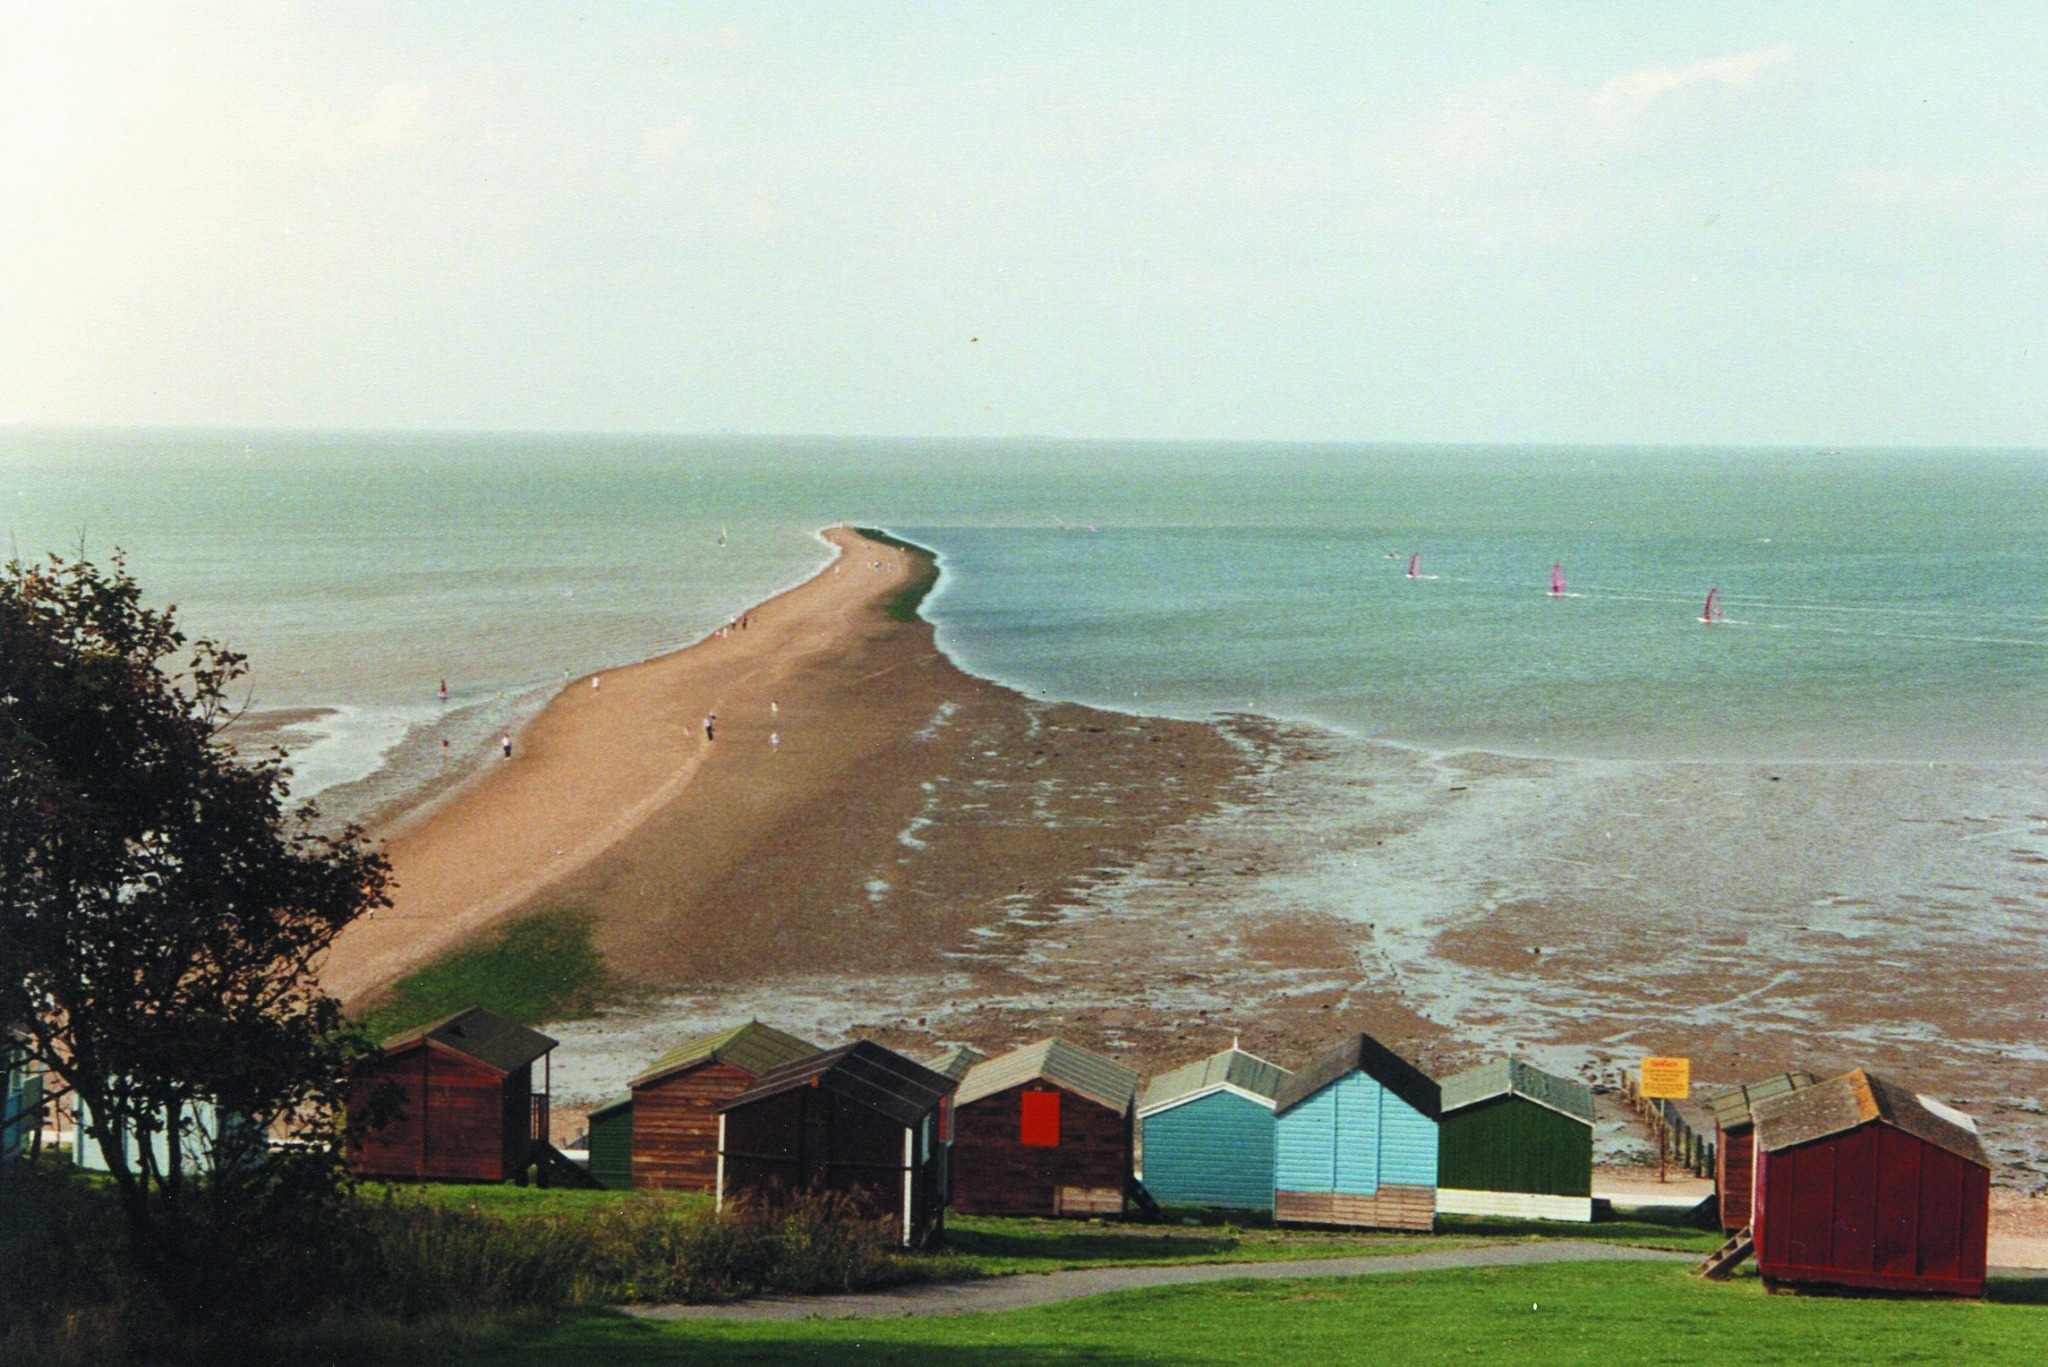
{"x":1876,"y":605}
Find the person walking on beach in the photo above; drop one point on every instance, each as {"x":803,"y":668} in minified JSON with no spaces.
{"x":444,"y":690}
{"x":774,"y":708}
{"x":710,"y":725}
{"x":775,"y":740}
{"x":506,"y":741}
{"x":595,"y":680}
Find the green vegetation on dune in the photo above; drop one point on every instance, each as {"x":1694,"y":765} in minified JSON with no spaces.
{"x":1577,"y":1313}
{"x":903,"y":604}
{"x":541,"y":967}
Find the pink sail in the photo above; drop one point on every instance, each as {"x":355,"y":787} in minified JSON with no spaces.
{"x":1415,"y":564}
{"x":1712,"y":611}
{"x":1557,"y":580}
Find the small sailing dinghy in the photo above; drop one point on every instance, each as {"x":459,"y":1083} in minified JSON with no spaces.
{"x":1711,"y":613}
{"x":1415,"y":565}
{"x":1557,"y":580}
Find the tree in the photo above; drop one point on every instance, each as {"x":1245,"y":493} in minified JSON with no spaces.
{"x":161,"y":906}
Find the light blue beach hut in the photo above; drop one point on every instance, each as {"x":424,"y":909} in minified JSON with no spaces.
{"x":21,"y":1102}
{"x":1355,"y":1140}
{"x":1206,"y":1132}
{"x":209,"y":1140}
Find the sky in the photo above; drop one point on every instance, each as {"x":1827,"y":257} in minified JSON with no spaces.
{"x":1577,"y":222}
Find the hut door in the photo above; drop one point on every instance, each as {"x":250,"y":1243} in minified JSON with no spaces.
{"x":1041,"y":1127}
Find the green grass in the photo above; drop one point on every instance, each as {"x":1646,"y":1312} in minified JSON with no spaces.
{"x":903,"y":604}
{"x":541,"y":967}
{"x":1581,"y":1313}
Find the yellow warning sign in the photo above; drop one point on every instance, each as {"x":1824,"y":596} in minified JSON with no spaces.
{"x":1669,"y":1078}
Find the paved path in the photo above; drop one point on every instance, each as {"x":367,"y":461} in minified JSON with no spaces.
{"x":1027,"y":1289}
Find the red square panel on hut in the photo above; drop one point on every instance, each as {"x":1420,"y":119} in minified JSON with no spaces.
{"x":1041,"y":1120}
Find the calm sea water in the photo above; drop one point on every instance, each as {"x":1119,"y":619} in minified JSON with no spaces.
{"x":1882,"y":605}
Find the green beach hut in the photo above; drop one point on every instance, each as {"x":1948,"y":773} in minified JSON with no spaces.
{"x":1206,"y":1132}
{"x":611,"y":1145}
{"x":1516,"y":1141}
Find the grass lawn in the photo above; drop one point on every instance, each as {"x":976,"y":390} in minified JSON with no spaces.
{"x":1592,"y":1313}
{"x":541,"y":967}
{"x":990,"y":1246}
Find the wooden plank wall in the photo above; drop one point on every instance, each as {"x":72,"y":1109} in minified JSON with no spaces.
{"x":675,"y":1127}
{"x":1875,"y":1208}
{"x":1734,"y":1154}
{"x":451,"y":1129}
{"x":995,"y":1173}
{"x":1391,"y":1207}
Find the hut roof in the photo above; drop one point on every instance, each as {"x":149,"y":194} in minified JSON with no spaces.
{"x":1856,"y":1098}
{"x":1518,"y":1077}
{"x":1361,"y":1053}
{"x":1732,"y":1108}
{"x":1233,"y":1068}
{"x":480,"y":1034}
{"x":758,"y":1048}
{"x":881,"y":1079}
{"x":623,"y":1103}
{"x":955,"y":1062}
{"x":1101,"y":1080}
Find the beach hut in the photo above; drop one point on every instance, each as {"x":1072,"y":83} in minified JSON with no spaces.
{"x":955,"y":1062}
{"x":1515,"y":1141}
{"x":1735,"y":1141}
{"x":1355,"y":1140}
{"x":1205,"y":1132}
{"x":1044,"y":1130}
{"x":21,"y":1103}
{"x":676,"y":1101}
{"x":207,"y":1140}
{"x":1862,"y":1183}
{"x":611,"y":1144}
{"x":859,"y":1121}
{"x":468,"y":1108}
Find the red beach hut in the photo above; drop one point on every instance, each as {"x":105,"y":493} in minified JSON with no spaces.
{"x":469,"y":1111}
{"x":1735,"y":1142}
{"x":1861,"y":1183}
{"x":1044,"y":1130}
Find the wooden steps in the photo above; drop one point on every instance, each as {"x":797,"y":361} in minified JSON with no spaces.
{"x":1728,"y":1256}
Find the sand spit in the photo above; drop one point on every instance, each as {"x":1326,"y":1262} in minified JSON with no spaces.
{"x":879,"y":844}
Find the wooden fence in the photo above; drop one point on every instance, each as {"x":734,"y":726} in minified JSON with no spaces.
{"x":1678,"y":1143}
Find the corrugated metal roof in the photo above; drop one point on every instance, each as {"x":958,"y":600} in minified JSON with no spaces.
{"x":1069,"y":1065}
{"x":1731,"y":1108}
{"x":864,"y":1072}
{"x":1518,"y":1077}
{"x":1361,"y":1053}
{"x":1233,"y":1068}
{"x":955,"y":1062}
{"x":483,"y":1035}
{"x":1856,"y":1098}
{"x":757,"y":1048}
{"x":612,"y":1107}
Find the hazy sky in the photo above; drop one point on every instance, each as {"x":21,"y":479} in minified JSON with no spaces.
{"x":1497,"y":222}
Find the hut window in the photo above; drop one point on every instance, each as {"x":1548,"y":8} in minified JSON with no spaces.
{"x":1041,"y":1120}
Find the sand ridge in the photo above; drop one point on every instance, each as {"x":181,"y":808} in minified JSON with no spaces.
{"x":595,"y":764}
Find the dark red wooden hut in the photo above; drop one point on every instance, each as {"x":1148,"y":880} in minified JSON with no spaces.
{"x":859,"y":1121}
{"x":468,"y":1110}
{"x":1861,"y":1183}
{"x":676,"y":1101}
{"x":1045,"y":1130}
{"x":1735,"y":1142}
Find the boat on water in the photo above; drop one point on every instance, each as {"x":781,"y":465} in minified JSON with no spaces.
{"x":1711,"y":613}
{"x":1415,"y":565}
{"x":1557,"y":580}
